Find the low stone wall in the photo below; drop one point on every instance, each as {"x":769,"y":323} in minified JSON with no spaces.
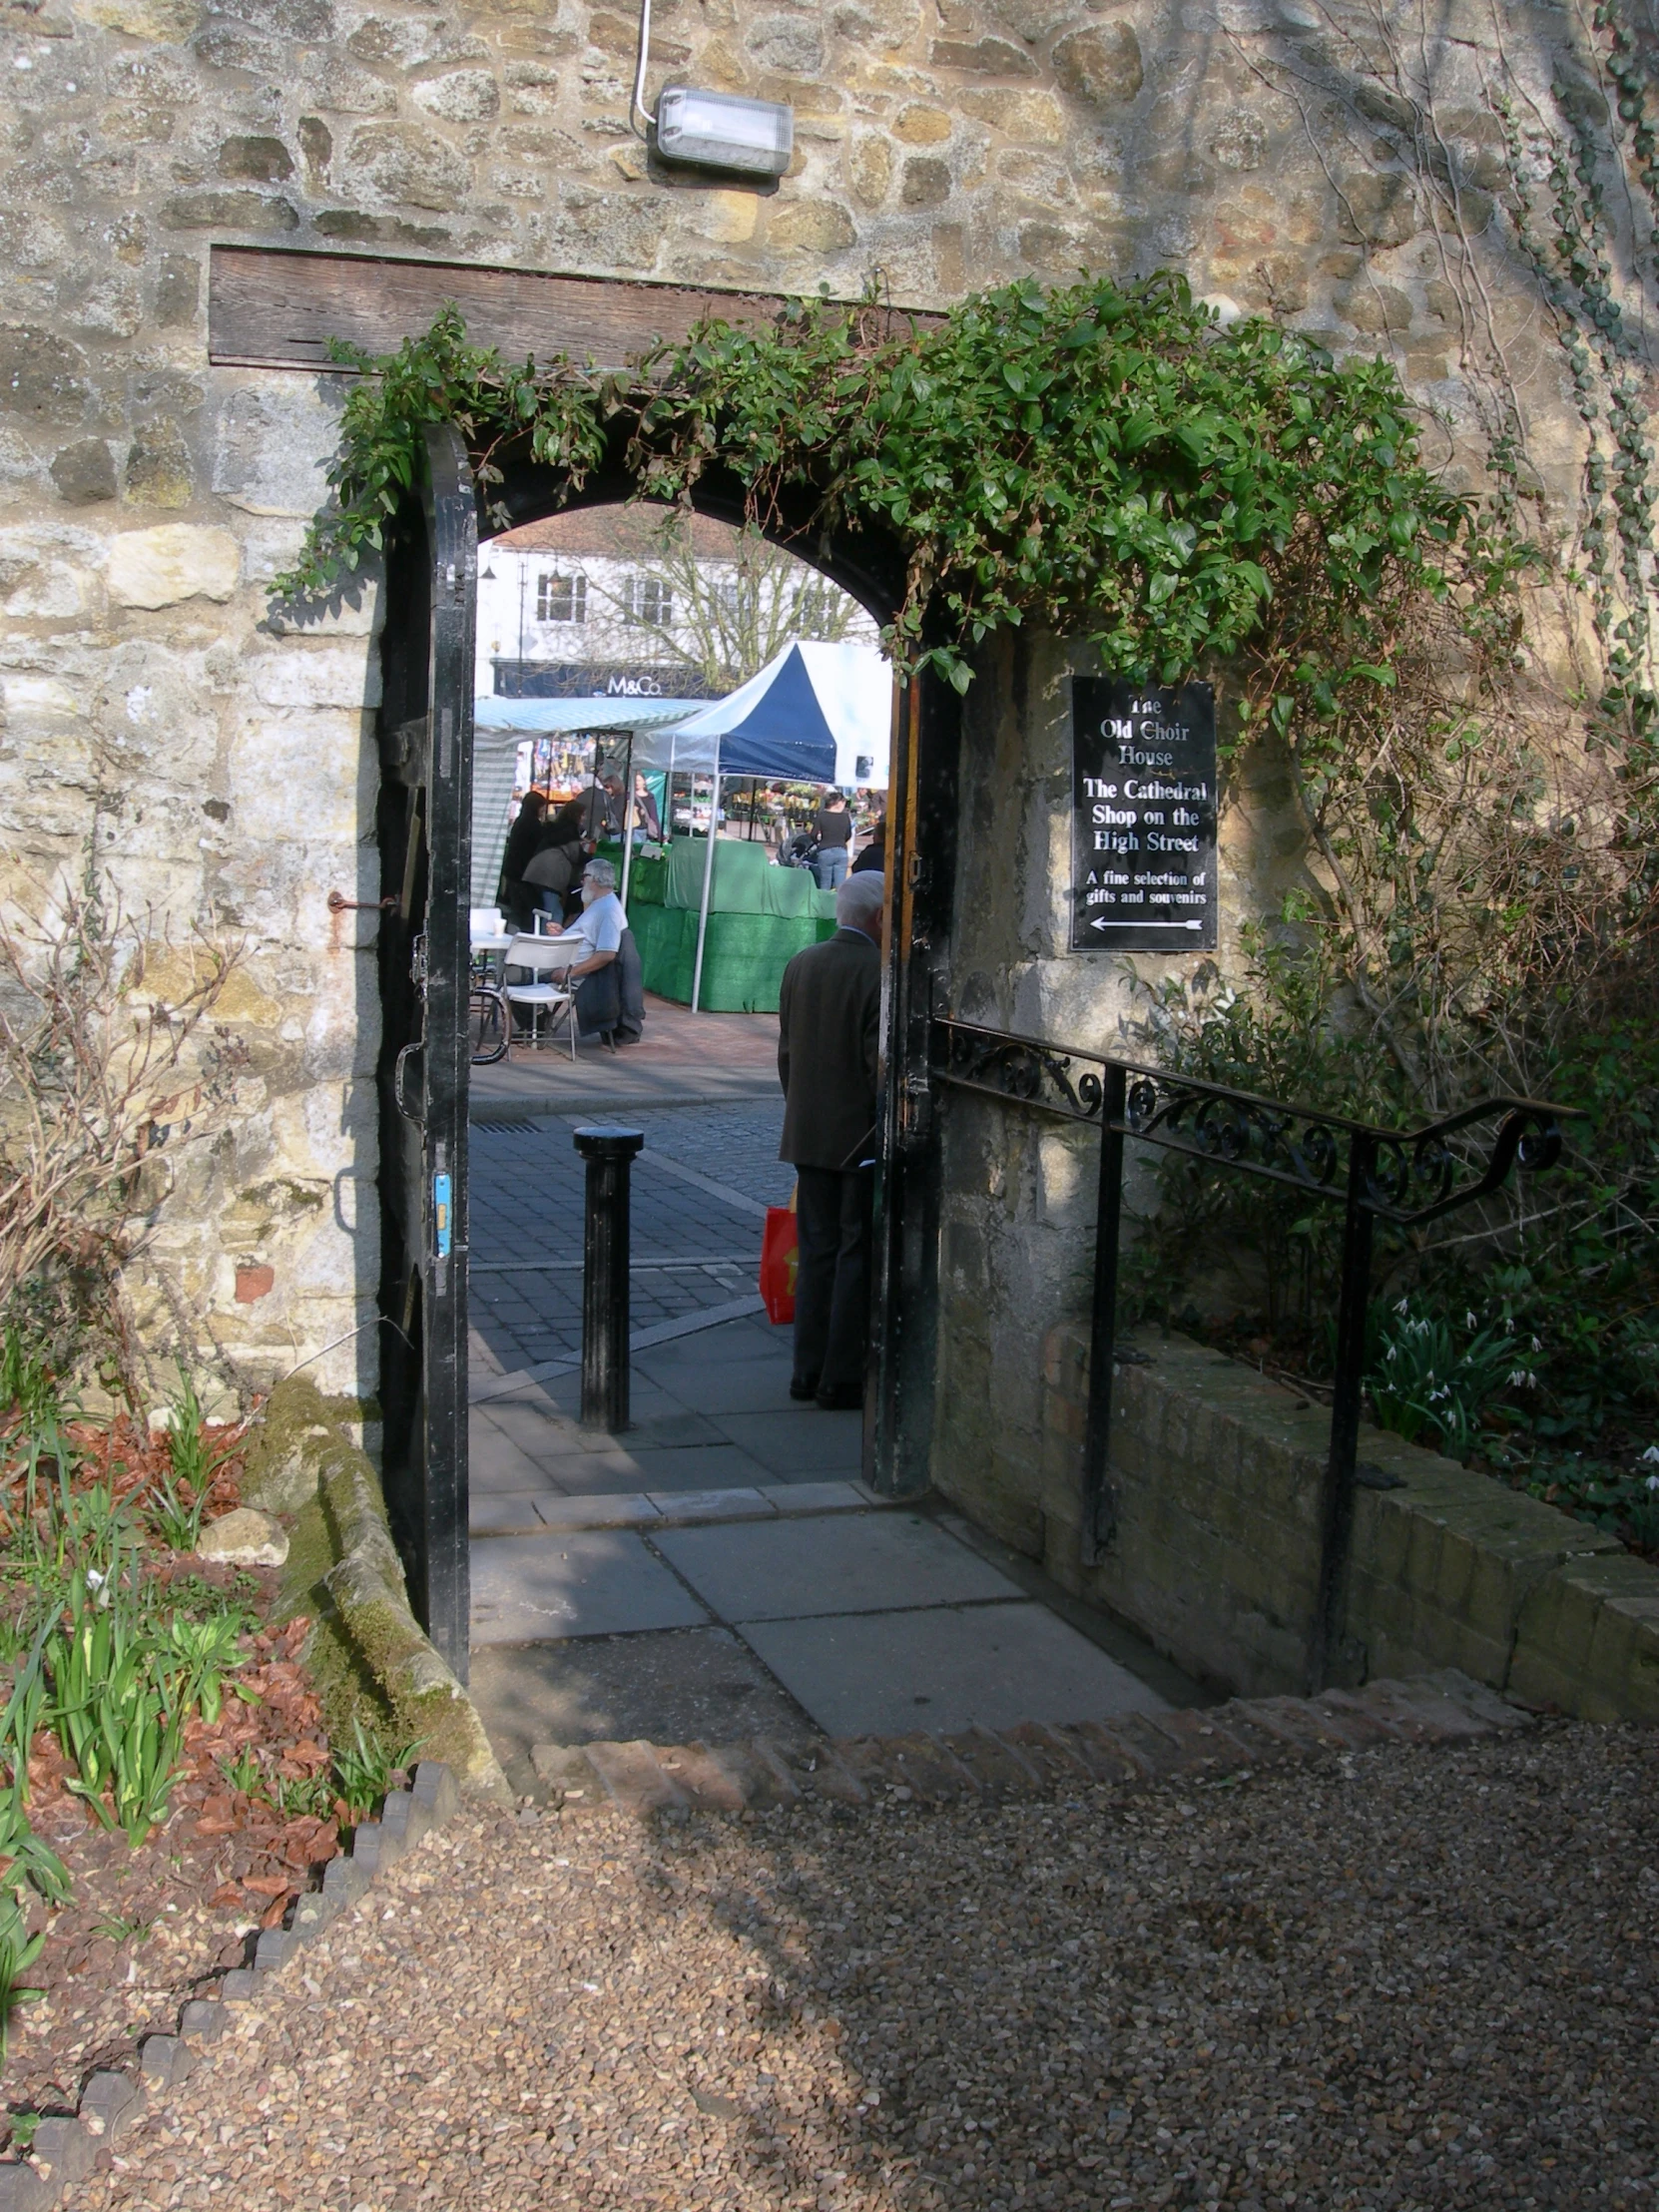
{"x":1216,"y":1473}
{"x":343,"y":1571}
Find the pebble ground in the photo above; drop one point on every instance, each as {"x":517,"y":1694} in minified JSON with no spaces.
{"x":1405,"y":1979}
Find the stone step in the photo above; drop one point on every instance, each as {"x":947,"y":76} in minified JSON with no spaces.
{"x":1030,"y":1761}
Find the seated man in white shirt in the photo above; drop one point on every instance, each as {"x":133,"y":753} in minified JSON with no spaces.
{"x":600,"y":925}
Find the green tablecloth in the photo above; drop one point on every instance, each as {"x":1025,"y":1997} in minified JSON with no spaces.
{"x":746,"y":881}
{"x":742,"y":961}
{"x":760,"y":916}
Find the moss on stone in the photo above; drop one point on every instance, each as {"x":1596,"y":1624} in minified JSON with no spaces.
{"x":365,"y":1651}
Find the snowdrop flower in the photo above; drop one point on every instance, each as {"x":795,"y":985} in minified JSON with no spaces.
{"x":1653,"y":1481}
{"x":1404,"y":1305}
{"x":1519,"y":1379}
{"x":1468,"y":1320}
{"x":1651,"y":1455}
{"x":95,"y":1581}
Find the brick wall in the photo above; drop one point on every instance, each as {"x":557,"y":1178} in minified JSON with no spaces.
{"x":1216,"y":1474}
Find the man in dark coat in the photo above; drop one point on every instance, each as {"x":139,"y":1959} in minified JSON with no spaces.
{"x":829,"y":1022}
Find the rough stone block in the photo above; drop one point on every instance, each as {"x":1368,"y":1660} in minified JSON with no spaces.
{"x":23,"y":2188}
{"x":635,"y":1779}
{"x":345,"y":1880}
{"x":1418,"y":1712}
{"x":375,"y":1848}
{"x":404,"y":1817}
{"x":823,"y":1772}
{"x":174,"y":561}
{"x":205,"y":2020}
{"x":304,"y":675}
{"x":569,"y":1774}
{"x":998,"y":1769}
{"x":272,"y":1949}
{"x":240,"y":1986}
{"x":1050,"y":1753}
{"x":312,"y":1913}
{"x":1370,"y":1720}
{"x":765,"y":1774}
{"x":1261,"y":1746}
{"x":436,"y":1789}
{"x":1474,"y":1697}
{"x":110,"y":2103}
{"x":926,"y":1765}
{"x":700,"y":1779}
{"x":64,"y":2149}
{"x":1307,"y":1727}
{"x":165,"y":2061}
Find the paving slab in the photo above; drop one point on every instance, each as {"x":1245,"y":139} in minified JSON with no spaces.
{"x":512,"y":1516}
{"x":598,"y":1582}
{"x":797,"y":1439}
{"x":620,"y":1509}
{"x":749,"y":1385}
{"x":692,"y":1685}
{"x":495,"y":1465}
{"x":792,"y":1569}
{"x":685,"y":1508}
{"x":816,"y":1497}
{"x":945,"y":1668}
{"x":527,"y":1413}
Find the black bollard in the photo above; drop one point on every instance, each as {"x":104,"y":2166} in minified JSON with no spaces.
{"x":605,"y":1347}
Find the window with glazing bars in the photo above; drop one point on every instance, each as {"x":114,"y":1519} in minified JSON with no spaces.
{"x":561,"y":598}
{"x":648,"y":601}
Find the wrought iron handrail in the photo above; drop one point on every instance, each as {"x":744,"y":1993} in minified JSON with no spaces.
{"x":1406,"y":1177}
{"x":1226,"y":1124}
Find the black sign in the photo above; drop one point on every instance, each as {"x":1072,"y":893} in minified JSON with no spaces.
{"x":599,"y":679}
{"x":1143,"y":837}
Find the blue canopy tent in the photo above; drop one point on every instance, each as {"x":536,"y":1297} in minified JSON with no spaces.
{"x":815,"y":713}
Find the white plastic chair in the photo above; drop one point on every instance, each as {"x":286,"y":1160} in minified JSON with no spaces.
{"x":545,"y":957}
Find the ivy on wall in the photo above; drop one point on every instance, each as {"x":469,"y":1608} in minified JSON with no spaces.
{"x":1105,"y":462}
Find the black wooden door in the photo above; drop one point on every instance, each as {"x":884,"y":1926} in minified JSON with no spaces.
{"x":904,"y":1303}
{"x":425,"y":835}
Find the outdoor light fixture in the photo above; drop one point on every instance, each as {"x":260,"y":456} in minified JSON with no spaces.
{"x":713,"y":130}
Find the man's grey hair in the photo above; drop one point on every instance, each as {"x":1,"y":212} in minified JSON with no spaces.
{"x":860,"y":899}
{"x":600,"y":872}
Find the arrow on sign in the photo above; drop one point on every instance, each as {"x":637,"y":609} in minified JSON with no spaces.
{"x":1128,"y":921}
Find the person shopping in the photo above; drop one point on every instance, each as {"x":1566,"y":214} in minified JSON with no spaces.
{"x":832,"y":826}
{"x":555,"y":869}
{"x":828,"y":1028}
{"x":519,"y":899}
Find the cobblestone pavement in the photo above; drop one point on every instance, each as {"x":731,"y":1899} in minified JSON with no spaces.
{"x":526,"y":1201}
{"x":1408,"y":1980}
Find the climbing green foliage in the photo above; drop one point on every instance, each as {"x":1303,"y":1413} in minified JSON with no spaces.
{"x":1099,"y":460}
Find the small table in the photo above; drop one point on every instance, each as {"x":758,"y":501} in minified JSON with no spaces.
{"x":494,"y":944}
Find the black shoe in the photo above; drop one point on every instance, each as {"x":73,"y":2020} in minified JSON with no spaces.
{"x":804,"y":1389}
{"x":841,"y":1402}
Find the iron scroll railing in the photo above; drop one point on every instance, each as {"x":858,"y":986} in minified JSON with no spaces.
{"x":1403,"y":1176}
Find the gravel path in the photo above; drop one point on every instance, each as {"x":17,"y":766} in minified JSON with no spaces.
{"x":1408,"y":1978}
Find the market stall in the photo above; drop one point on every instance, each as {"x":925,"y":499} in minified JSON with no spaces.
{"x":501,"y":726}
{"x":814,"y":714}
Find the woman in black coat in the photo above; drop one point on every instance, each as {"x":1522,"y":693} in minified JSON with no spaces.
{"x":518,"y":900}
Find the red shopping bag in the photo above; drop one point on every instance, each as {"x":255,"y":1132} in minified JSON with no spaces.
{"x":779,"y":1254}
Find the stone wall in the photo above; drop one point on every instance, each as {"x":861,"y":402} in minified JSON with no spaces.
{"x":148,"y":497}
{"x":1020,"y":1188}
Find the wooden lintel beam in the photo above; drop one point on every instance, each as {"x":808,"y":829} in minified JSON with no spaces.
{"x":277,"y":308}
